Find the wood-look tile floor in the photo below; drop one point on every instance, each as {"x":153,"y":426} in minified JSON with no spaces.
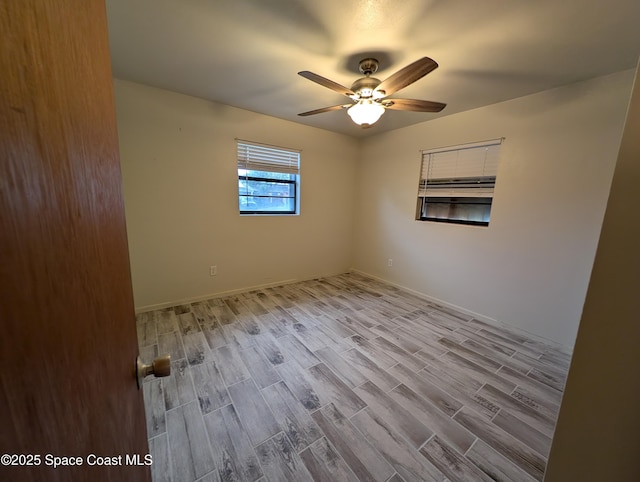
{"x":345,"y":378}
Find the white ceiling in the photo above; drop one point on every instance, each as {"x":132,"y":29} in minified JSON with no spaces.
{"x":246,"y":53}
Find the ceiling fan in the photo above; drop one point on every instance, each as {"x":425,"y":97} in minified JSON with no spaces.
{"x":370,"y":95}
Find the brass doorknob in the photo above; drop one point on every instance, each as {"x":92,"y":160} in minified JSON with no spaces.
{"x":160,"y":367}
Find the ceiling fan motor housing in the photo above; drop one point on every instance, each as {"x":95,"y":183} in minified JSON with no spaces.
{"x":364,"y":87}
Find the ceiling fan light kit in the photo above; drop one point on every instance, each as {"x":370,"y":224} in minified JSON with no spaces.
{"x":370,"y":94}
{"x":365,"y":112}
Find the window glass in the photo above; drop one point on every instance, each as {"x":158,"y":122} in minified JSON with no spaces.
{"x":268,"y":179}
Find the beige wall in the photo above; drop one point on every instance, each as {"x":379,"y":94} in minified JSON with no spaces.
{"x":528,"y":269}
{"x":180,"y":185}
{"x":531,"y":266}
{"x":596,"y":436}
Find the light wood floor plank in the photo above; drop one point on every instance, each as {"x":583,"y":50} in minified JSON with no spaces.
{"x":188,"y":443}
{"x":492,"y":345}
{"x":325,"y":464}
{"x":292,"y":416}
{"x":394,"y":414}
{"x":236,"y":334}
{"x":209,"y":387}
{"x":514,"y":407}
{"x":535,"y":439}
{"x":178,"y":387}
{"x":270,"y":348}
{"x":557,"y":359}
{"x":395,"y":449}
{"x":337,"y":327}
{"x":230,"y":364}
{"x":296,"y":350}
{"x":159,"y":450}
{"x":259,"y":367}
{"x":366,"y":318}
{"x":398,"y":354}
{"x":352,"y":324}
{"x":396,"y":478}
{"x":427,"y":389}
{"x":188,"y":323}
{"x":298,"y":381}
{"x":429,"y":341}
{"x":450,"y":462}
{"x":147,"y":333}
{"x":166,"y":322}
{"x":556,"y":371}
{"x":340,"y":367}
{"x":202,"y":312}
{"x":345,"y":378}
{"x":470,"y":354}
{"x":253,"y":411}
{"x":460,"y":365}
{"x":370,"y":370}
{"x":214,"y":334}
{"x":541,"y":390}
{"x":501,"y":338}
{"x":374,"y":352}
{"x":233,"y":454}
{"x":356,"y":450}
{"x":496,"y":466}
{"x":222,"y":313}
{"x":434,"y":419}
{"x":463,"y":393}
{"x":280,"y":461}
{"x":496,"y":356}
{"x":331,"y":338}
{"x":277,"y":326}
{"x":533,"y":400}
{"x":544,"y":377}
{"x":333,"y":390}
{"x":250,"y":323}
{"x":402,"y":341}
{"x":154,"y":407}
{"x":196,"y":348}
{"x":514,"y":450}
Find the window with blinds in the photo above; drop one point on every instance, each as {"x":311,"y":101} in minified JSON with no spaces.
{"x":268,"y":179}
{"x":457,"y":183}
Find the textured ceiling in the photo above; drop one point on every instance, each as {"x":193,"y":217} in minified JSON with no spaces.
{"x":246,"y":53}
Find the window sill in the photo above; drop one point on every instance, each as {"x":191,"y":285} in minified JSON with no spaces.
{"x":455,"y":221}
{"x":268,"y":214}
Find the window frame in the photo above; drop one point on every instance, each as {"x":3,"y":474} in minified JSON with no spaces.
{"x":458,"y":187}
{"x":268,"y":159}
{"x":268,"y":180}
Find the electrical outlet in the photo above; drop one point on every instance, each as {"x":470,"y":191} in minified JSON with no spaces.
{"x":389,"y":262}
{"x":213,"y":270}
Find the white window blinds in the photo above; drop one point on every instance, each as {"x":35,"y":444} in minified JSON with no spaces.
{"x":261,"y":157}
{"x":467,"y":170}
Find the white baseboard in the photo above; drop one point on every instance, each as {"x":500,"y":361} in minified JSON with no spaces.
{"x":424,"y":296}
{"x":220,"y":294}
{"x":461,"y":309}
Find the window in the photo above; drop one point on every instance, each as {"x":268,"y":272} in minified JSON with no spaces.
{"x":457,"y":183}
{"x":268,"y":179}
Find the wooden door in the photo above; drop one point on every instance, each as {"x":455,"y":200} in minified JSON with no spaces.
{"x":67,"y":338}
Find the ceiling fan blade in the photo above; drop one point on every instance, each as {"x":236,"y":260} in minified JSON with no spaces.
{"x":330,"y":84}
{"x":413,"y":105}
{"x":407,"y":75}
{"x":325,"y":109}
